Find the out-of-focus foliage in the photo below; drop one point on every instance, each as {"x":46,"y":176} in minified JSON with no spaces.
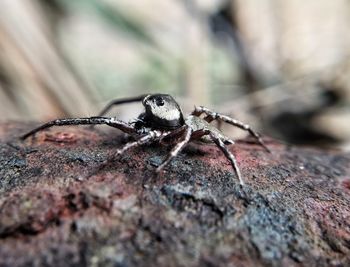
{"x":126,"y":23}
{"x":280,"y":65}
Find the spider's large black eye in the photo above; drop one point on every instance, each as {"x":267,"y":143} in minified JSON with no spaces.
{"x":159,"y":101}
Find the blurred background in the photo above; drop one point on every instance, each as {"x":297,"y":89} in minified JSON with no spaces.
{"x":280,"y":65}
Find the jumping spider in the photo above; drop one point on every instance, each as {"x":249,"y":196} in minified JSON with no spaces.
{"x":163,"y":121}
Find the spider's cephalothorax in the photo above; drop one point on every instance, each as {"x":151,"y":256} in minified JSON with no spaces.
{"x":163,"y":121}
{"x":162,"y":112}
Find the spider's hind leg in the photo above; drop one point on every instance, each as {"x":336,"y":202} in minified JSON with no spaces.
{"x":211,"y":115}
{"x":221,"y":144}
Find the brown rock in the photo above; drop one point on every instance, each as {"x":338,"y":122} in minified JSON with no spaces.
{"x":59,"y":207}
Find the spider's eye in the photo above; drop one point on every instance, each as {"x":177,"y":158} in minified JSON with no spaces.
{"x":159,"y":102}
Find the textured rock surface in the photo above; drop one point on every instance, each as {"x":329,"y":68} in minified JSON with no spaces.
{"x":57,"y":208}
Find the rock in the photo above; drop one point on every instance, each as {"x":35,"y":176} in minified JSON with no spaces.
{"x":60,"y":205}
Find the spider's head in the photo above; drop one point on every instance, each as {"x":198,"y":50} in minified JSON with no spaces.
{"x":162,"y":111}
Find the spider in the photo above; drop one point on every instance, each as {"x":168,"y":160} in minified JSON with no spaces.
{"x":164,"y":122}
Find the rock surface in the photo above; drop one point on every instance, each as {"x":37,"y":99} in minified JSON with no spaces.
{"x":59,"y":207}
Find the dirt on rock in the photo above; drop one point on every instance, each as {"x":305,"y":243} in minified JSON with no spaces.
{"x":62,"y":205}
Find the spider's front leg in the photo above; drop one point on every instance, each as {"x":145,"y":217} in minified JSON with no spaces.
{"x":150,"y":137}
{"x":176,"y":150}
{"x":116,"y":102}
{"x":120,"y":101}
{"x":123,"y":126}
{"x":211,"y":115}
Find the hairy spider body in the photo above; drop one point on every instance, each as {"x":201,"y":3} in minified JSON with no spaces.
{"x":163,"y":121}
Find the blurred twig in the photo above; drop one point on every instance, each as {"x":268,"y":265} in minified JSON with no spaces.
{"x":40,"y":74}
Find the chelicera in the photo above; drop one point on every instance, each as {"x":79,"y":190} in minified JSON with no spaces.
{"x":163,"y":122}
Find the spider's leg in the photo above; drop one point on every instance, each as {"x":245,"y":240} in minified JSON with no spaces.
{"x":176,"y":150}
{"x":125,"y":127}
{"x":170,"y":137}
{"x":217,"y":116}
{"x":151,"y":136}
{"x":209,"y":119}
{"x":229,"y":156}
{"x":121,"y":101}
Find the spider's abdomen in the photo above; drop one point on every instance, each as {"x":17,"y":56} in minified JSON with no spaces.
{"x":197,"y":124}
{"x":202,"y":128}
